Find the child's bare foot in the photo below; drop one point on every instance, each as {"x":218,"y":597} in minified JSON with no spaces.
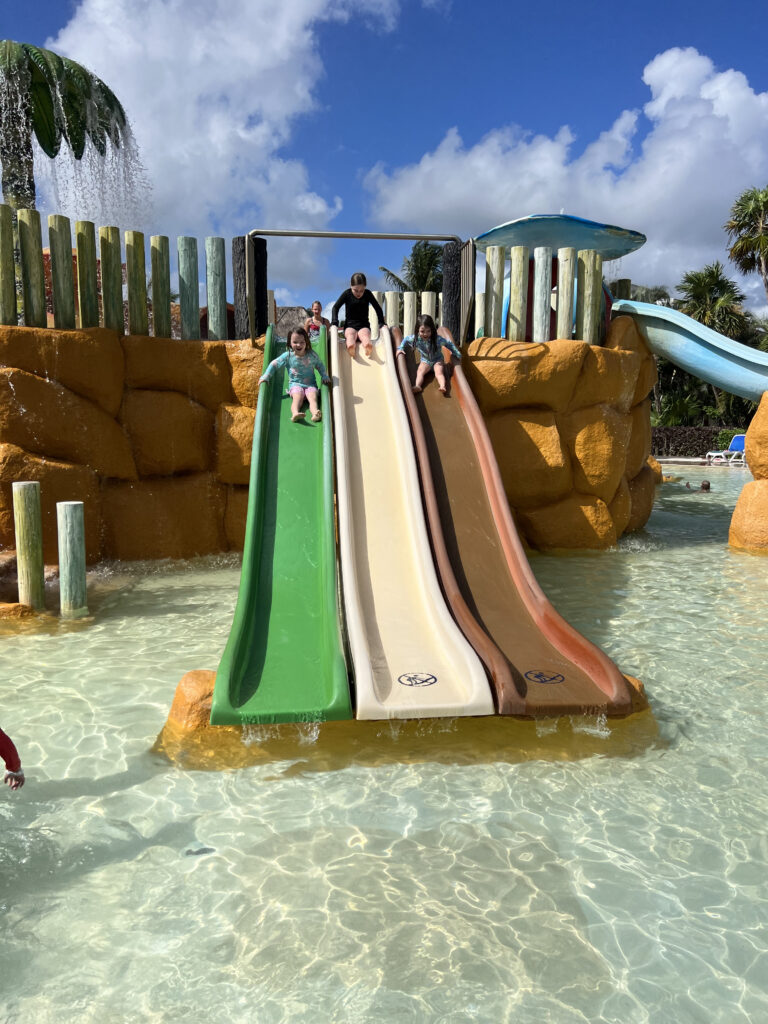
{"x":316,"y":416}
{"x":368,"y":349}
{"x":417,"y":389}
{"x":351,"y":350}
{"x":444,"y":391}
{"x":296,"y":416}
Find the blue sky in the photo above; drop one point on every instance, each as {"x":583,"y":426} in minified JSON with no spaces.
{"x":427,"y":115}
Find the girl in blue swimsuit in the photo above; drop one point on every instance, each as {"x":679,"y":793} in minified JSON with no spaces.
{"x":430,"y":347}
{"x":301,"y":363}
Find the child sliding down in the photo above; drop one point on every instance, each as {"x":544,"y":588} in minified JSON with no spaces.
{"x":301,"y":362}
{"x":429,"y":343}
{"x":356,"y":300}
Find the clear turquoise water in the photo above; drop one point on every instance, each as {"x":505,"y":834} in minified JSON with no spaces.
{"x":627,"y":884}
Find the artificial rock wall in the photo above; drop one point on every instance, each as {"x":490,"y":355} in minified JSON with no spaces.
{"x":749,"y":522}
{"x":570,"y":426}
{"x":152,"y":434}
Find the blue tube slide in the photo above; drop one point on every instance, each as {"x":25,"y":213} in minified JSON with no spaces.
{"x":699,"y":350}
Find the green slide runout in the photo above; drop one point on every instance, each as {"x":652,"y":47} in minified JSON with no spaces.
{"x":284,"y":660}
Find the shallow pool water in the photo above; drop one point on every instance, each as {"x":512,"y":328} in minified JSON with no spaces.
{"x":444,"y":872}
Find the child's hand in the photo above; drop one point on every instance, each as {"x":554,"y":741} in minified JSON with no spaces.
{"x":262,"y":379}
{"x":327,"y":381}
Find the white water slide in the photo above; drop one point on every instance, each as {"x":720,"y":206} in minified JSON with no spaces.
{"x":410,"y":659}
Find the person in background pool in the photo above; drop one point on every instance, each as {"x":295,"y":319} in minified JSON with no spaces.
{"x":705,"y":486}
{"x":314,"y":324}
{"x":14,"y":773}
{"x":356,"y":300}
{"x":429,"y":343}
{"x":302,"y":363}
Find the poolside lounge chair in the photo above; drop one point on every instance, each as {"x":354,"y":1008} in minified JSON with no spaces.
{"x":733,"y":455}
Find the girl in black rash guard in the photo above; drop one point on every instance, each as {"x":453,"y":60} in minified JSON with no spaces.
{"x":357,"y":299}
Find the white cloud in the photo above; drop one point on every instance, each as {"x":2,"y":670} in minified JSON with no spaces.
{"x":213,"y":88}
{"x":706,"y":139}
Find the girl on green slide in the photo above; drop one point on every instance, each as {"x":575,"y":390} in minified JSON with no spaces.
{"x":301,"y":362}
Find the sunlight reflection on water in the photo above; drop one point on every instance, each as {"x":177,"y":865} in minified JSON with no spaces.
{"x":435,"y":871}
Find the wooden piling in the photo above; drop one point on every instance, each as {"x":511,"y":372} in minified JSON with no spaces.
{"x":589,"y":287}
{"x":373,"y":319}
{"x":598,"y":322}
{"x":480,"y":330}
{"x":7,"y":268}
{"x":62,"y":277}
{"x":271,"y":306}
{"x":409,"y":313}
{"x":450,"y":302}
{"x":258,"y":284}
{"x":494,"y":289}
{"x":87,"y":276}
{"x":216,"y":288}
{"x":32,"y":274}
{"x":622,"y":289}
{"x":542,"y":292}
{"x":111,"y":279}
{"x":160,"y":268}
{"x":136,"y":276}
{"x":392,"y":308}
{"x":566,"y":273}
{"x":242,"y":329}
{"x":189,"y":288}
{"x":70,"y":521}
{"x":429,"y":304}
{"x":29,"y":542}
{"x":519,"y":259}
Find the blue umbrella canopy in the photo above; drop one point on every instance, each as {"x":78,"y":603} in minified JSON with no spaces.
{"x":558,"y":230}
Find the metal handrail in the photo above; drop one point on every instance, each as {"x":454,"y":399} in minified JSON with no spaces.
{"x":354,"y":234}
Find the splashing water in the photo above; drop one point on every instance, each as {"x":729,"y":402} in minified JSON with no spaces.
{"x":109,"y":187}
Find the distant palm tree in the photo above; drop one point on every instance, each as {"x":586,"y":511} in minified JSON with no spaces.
{"x":714,"y":300}
{"x":422,"y":271}
{"x":748,"y":231}
{"x":53,"y":99}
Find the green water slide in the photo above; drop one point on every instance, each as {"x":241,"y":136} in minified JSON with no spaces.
{"x":284,"y":659}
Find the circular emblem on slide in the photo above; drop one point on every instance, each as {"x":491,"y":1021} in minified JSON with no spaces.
{"x":417,"y":679}
{"x":537,"y":676}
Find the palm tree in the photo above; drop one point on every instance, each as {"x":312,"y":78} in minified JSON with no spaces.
{"x":53,"y":99}
{"x":422,"y":271}
{"x":748,"y":231}
{"x":714,"y":300}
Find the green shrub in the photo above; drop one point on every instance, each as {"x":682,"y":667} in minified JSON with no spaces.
{"x":724,"y":438}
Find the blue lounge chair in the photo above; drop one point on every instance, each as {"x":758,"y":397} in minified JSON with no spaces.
{"x":733,"y":455}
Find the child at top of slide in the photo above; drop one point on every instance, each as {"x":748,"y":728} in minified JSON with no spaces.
{"x":301,"y":362}
{"x":429,"y":343}
{"x":315,"y":323}
{"x":357,"y":299}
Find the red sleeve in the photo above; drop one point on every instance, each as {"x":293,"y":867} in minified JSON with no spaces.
{"x":9,"y":753}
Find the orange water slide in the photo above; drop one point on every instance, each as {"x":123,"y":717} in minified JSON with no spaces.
{"x":539,"y":665}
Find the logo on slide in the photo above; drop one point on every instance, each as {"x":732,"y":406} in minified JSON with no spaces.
{"x":544,"y":677}
{"x":417,"y":679}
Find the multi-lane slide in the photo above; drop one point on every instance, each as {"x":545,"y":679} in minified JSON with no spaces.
{"x":410,"y":659}
{"x":698,"y":350}
{"x":284,"y":658}
{"x":538,"y":663}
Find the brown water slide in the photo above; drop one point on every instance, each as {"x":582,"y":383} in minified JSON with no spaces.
{"x":539,"y":664}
